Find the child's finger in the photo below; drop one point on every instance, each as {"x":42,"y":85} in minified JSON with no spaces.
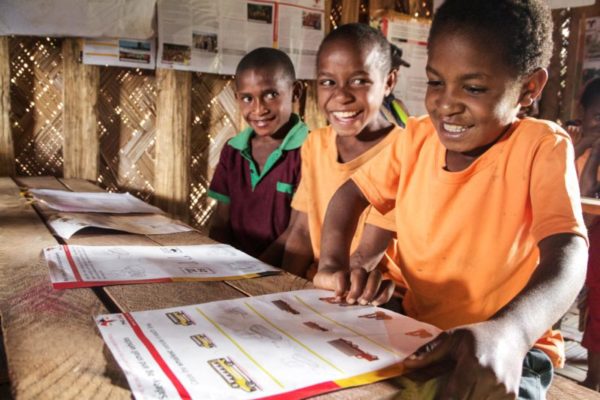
{"x":341,"y":283}
{"x":358,"y":279}
{"x":386,"y":291}
{"x":371,"y":289}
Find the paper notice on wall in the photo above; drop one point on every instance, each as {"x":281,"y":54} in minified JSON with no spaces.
{"x":209,"y":36}
{"x":87,"y":266}
{"x":410,"y":35}
{"x":131,"y":53}
{"x":278,"y":346}
{"x":591,"y":55}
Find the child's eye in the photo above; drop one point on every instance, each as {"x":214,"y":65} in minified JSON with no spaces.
{"x":326,"y":82}
{"x":271,"y":95}
{"x":246,"y":99}
{"x":433,"y":83}
{"x":475,"y":89}
{"x":358,"y":81}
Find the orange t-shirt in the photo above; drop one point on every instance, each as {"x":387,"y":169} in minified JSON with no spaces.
{"x":468,"y":240}
{"x":582,"y":160}
{"x":323,"y":174}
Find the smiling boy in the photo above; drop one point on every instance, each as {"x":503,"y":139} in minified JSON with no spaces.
{"x":488,"y":218}
{"x":259,"y":169}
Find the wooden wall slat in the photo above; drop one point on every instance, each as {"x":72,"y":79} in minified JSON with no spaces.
{"x":350,"y":11}
{"x":80,"y":90}
{"x":7,"y":151}
{"x":173,"y":138}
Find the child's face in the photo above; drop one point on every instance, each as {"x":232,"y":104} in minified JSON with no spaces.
{"x":351,"y":86}
{"x":265,"y":98}
{"x":472,"y":96}
{"x":591,"y":119}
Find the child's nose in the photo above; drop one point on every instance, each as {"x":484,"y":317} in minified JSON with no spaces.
{"x":342,"y":94}
{"x":259,"y":106}
{"x":448,"y":104}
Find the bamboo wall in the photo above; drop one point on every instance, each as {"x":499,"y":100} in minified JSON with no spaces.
{"x":158,"y":134}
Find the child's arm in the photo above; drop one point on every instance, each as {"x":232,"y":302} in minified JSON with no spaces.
{"x":273,"y":255}
{"x":220,"y":229}
{"x":298,"y":255}
{"x":341,"y":220}
{"x":494,"y":350}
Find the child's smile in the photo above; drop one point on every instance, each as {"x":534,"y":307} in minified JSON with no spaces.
{"x":351,"y":87}
{"x":265,"y":99}
{"x":473,"y":101}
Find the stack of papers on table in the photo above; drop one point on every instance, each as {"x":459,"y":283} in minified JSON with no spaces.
{"x":98,"y":202}
{"x":284,"y":345}
{"x":86,"y":266}
{"x":67,"y":224}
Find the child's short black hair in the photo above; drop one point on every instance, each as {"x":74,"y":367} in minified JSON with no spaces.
{"x":267,"y":57}
{"x":522,"y":29}
{"x":590,"y":93}
{"x":362,"y":35}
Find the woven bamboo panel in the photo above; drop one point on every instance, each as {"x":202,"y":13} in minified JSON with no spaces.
{"x":36,"y":105}
{"x":126,"y":123}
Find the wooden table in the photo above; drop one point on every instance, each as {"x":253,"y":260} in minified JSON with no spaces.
{"x":53,"y":348}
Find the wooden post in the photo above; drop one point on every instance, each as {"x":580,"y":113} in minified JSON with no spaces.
{"x":80,"y":90}
{"x":7,"y":150}
{"x":350,"y":11}
{"x":327,"y":17}
{"x":173,"y":140}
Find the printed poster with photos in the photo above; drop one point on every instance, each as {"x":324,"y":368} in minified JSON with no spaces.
{"x":591,"y":56}
{"x":213,"y":36}
{"x":132,"y":53}
{"x":286,"y":345}
{"x":410,"y":35}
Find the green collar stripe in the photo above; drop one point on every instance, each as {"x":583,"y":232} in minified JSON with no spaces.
{"x":219,"y":197}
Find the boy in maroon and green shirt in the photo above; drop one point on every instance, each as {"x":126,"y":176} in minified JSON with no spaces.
{"x":259,"y":169}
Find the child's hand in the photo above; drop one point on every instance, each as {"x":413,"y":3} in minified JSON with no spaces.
{"x":575,"y":132}
{"x":356,"y":285}
{"x":488,"y":364}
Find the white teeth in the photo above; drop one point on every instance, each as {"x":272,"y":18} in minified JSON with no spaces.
{"x":345,"y":114}
{"x":455,"y":128}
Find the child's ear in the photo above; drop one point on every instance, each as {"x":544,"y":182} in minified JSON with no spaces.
{"x":297,"y":89}
{"x":533,"y":86}
{"x":390,"y":81}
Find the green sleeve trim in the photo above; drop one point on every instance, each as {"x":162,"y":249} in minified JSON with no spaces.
{"x":285,"y":187}
{"x":219,"y":197}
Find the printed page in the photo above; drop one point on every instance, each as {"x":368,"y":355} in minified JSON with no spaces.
{"x":174,"y":34}
{"x":411,"y":36}
{"x":120,"y":52}
{"x":67,"y":224}
{"x":301,"y":30}
{"x":98,"y":202}
{"x":285,"y":345}
{"x":86,"y":266}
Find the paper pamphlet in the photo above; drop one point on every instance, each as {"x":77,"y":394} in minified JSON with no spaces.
{"x":67,"y":224}
{"x":86,"y":266}
{"x":100,"y":202}
{"x":280,"y":346}
{"x":120,"y":52}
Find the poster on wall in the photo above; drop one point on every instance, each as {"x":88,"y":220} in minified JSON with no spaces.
{"x":209,"y":36}
{"x":410,"y":35}
{"x":591,"y":55}
{"x":121,"y":52}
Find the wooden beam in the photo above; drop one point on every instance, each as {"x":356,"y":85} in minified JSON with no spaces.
{"x":173,"y":139}
{"x":350,"y":11}
{"x":80,"y":90}
{"x":7,"y":150}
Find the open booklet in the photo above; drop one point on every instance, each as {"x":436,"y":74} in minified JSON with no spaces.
{"x":279,"y":346}
{"x":86,"y":266}
{"x":100,"y":202}
{"x":67,"y":224}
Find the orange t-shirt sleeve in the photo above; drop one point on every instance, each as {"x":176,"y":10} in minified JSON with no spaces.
{"x":554,"y":190}
{"x":300,"y":199}
{"x":378,"y":178}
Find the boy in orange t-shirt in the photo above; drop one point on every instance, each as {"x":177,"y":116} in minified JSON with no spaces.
{"x":490,"y":235}
{"x":353,"y":75}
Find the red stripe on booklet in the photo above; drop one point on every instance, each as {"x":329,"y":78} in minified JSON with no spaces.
{"x":72,"y":263}
{"x":157,"y":357}
{"x":84,"y":284}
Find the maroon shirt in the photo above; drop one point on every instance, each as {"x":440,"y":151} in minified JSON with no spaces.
{"x":259,"y":204}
